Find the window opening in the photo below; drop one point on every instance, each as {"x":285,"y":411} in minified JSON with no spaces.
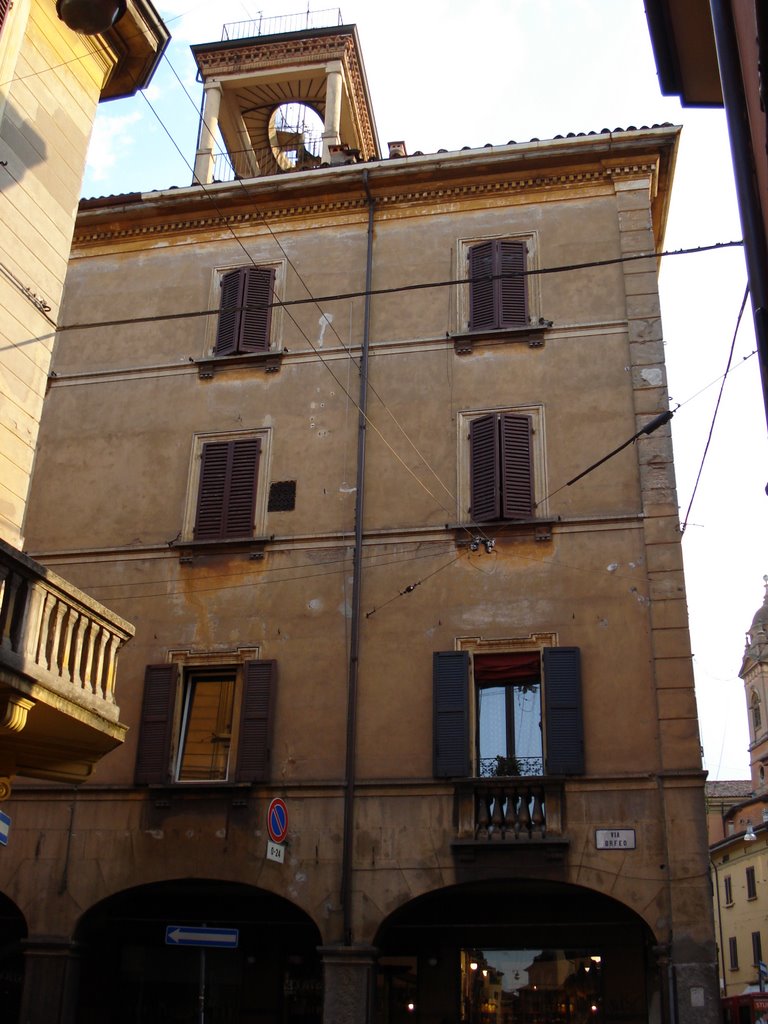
{"x":757,"y":949}
{"x":296,"y":136}
{"x":733,"y":953}
{"x":756,"y":715}
{"x":751,"y":884}
{"x":509,"y":729}
{"x":728,"y":889}
{"x":205,"y":737}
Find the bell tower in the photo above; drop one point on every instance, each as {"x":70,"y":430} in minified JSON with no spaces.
{"x":284,"y":98}
{"x":754,"y":672}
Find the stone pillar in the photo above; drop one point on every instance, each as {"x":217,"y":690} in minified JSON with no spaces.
{"x":334,"y":85}
{"x":204,"y":158}
{"x":347,"y":984}
{"x":51,"y":973}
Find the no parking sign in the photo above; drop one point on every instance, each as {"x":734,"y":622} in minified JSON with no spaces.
{"x":277,"y":820}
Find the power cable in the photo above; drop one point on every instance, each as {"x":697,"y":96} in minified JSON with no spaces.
{"x":717,"y":407}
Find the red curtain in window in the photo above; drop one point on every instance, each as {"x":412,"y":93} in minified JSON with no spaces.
{"x":522,"y":666}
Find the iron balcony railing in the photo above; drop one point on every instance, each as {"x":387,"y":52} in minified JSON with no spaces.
{"x":262,"y":26}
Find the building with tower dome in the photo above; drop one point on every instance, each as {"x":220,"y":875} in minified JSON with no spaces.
{"x":377,"y":459}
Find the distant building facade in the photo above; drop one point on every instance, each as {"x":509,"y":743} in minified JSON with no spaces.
{"x":412,"y":729}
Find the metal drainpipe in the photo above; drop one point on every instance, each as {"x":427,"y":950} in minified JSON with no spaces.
{"x":746,"y":185}
{"x":354,"y":639}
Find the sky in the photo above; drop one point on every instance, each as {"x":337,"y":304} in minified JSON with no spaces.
{"x":453,"y":73}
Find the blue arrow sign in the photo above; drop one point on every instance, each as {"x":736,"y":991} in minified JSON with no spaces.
{"x":214,"y":938}
{"x":5,"y":828}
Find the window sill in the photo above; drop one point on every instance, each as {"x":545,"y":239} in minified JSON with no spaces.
{"x":532,"y":334}
{"x":269,"y":362}
{"x":473,"y":535}
{"x":189,"y":549}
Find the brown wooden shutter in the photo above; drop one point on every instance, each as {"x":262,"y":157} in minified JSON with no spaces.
{"x":154,"y":752}
{"x":256,"y":715}
{"x":226,"y":500}
{"x":450,"y":714}
{"x":511,"y":286}
{"x":562,"y":697}
{"x":245,"y":313}
{"x":5,"y":6}
{"x":516,"y":466}
{"x":482,"y":308}
{"x":257,"y":309}
{"x":229,"y":312}
{"x":484,"y":498}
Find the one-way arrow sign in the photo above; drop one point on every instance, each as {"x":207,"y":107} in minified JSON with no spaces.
{"x":218,"y":938}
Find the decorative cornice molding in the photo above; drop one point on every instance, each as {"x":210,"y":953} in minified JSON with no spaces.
{"x":426,"y":193}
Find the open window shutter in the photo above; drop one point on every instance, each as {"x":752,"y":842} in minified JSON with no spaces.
{"x":564,"y":725}
{"x":153,"y":757}
{"x":257,"y":712}
{"x":512,"y":291}
{"x":450,"y":714}
{"x":516,"y":466}
{"x":484,"y":481}
{"x":240,"y":504}
{"x":227,"y":333}
{"x":482,"y":293}
{"x":257,"y":309}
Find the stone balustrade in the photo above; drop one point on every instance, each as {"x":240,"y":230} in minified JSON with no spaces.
{"x":53,"y":634}
{"x":510,"y":810}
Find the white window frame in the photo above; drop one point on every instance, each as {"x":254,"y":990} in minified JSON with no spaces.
{"x":531,"y":239}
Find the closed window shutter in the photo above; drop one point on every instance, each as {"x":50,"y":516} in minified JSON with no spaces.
{"x":484,"y":468}
{"x":450,"y":714}
{"x":5,"y":6}
{"x":245,"y":313}
{"x":153,"y":757}
{"x":257,"y":309}
{"x":482,"y":295}
{"x":226,"y":500}
{"x":257,"y":712}
{"x":516,"y":466}
{"x":498,"y":287}
{"x":564,"y":725}
{"x":512,"y":285}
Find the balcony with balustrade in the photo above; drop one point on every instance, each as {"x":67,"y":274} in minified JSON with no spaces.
{"x":58,"y":665}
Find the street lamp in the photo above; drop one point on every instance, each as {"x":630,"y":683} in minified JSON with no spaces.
{"x":90,"y":17}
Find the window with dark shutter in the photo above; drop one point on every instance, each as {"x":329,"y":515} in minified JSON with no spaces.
{"x":5,"y":6}
{"x":153,"y":757}
{"x":564,"y":724}
{"x":226,"y":500}
{"x":450,"y":717}
{"x":245,"y":313}
{"x":498,"y":290}
{"x":255,"y":739}
{"x":501,"y":467}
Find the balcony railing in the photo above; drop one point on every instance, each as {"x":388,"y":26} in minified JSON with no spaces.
{"x":53,"y":634}
{"x":262,"y":26}
{"x":510,"y":810}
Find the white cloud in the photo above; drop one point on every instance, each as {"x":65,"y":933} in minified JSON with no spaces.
{"x":111,"y":138}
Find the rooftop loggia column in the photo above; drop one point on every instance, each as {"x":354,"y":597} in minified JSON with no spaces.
{"x":333,"y":91}
{"x":204,"y":158}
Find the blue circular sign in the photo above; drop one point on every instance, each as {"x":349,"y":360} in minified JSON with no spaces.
{"x":277,"y":820}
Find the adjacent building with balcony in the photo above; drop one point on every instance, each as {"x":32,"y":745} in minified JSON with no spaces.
{"x":58,"y":646}
{"x":377,"y":460}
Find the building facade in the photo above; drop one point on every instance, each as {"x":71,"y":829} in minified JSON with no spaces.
{"x":411,"y":724}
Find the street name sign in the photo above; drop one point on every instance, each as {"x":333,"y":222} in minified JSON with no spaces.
{"x":615,"y":839}
{"x":5,"y":828}
{"x":212,"y":938}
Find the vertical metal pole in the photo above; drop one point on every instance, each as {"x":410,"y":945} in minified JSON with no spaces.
{"x":201,"y":989}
